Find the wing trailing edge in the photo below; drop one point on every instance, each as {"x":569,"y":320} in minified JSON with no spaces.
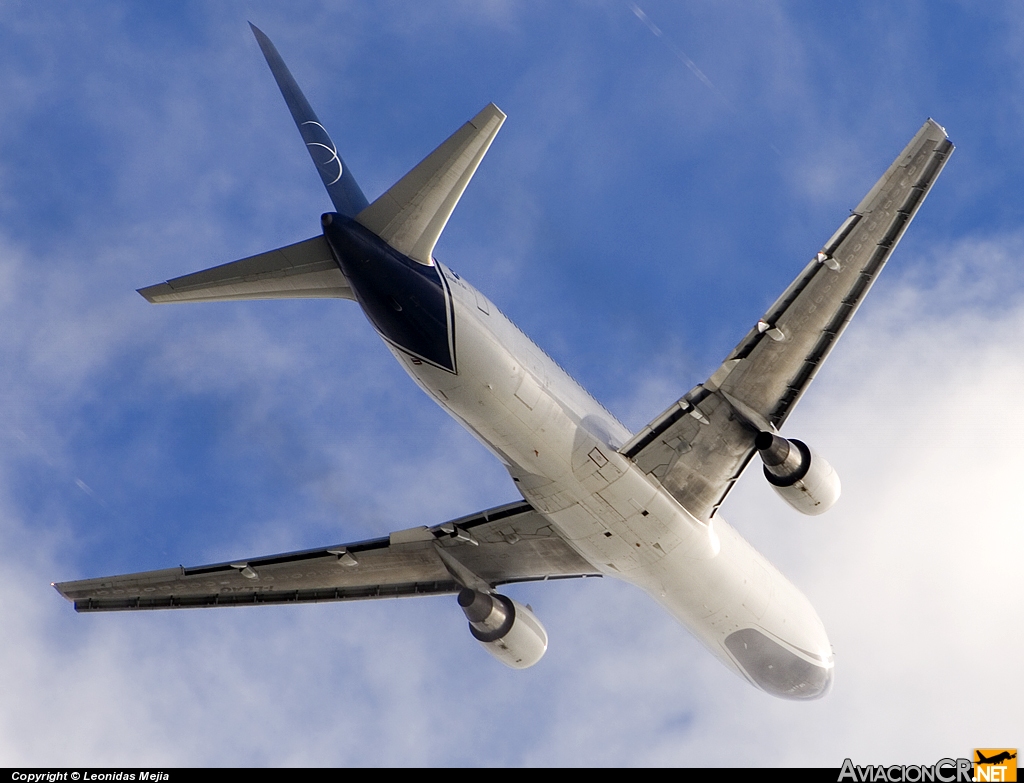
{"x":510,"y":543}
{"x":411,"y":215}
{"x":699,"y":447}
{"x":305,"y":270}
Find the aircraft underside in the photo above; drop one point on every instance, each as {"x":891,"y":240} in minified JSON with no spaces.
{"x":598,"y":500}
{"x":710,"y":579}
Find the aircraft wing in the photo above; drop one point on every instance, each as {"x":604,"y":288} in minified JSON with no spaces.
{"x":699,"y":447}
{"x":510,"y":543}
{"x":305,"y":270}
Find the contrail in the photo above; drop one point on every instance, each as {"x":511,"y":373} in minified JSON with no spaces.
{"x":63,"y":473}
{"x":690,"y":64}
{"x":676,"y":50}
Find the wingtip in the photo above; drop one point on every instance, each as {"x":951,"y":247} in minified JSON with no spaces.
{"x":150,"y":293}
{"x":935,"y":124}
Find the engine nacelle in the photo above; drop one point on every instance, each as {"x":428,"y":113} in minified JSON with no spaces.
{"x":800,"y":475}
{"x":505,"y":628}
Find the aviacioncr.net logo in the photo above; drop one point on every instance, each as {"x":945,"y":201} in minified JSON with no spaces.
{"x":995,"y":764}
{"x":942,"y":771}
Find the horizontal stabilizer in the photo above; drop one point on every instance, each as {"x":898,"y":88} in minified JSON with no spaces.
{"x":305,"y":270}
{"x":413,"y":213}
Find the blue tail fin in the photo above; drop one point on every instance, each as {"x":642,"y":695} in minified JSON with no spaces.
{"x":341,"y":185}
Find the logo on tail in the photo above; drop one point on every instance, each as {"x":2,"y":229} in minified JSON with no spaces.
{"x":311,"y":133}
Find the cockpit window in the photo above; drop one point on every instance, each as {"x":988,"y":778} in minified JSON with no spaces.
{"x":775,"y":669}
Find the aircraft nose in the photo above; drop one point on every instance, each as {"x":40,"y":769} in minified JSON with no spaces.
{"x":779,"y":670}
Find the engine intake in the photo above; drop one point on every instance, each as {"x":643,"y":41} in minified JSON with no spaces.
{"x":505,"y":628}
{"x":802,"y":477}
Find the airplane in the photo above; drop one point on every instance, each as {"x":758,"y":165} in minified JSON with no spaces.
{"x":597,"y":499}
{"x":996,"y":759}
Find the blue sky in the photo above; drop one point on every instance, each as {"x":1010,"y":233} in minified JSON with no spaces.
{"x":630,"y":217}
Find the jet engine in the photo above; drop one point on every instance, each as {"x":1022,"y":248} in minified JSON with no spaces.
{"x":800,"y":475}
{"x":505,"y":628}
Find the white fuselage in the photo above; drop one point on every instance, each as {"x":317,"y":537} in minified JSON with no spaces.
{"x":561,"y":448}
